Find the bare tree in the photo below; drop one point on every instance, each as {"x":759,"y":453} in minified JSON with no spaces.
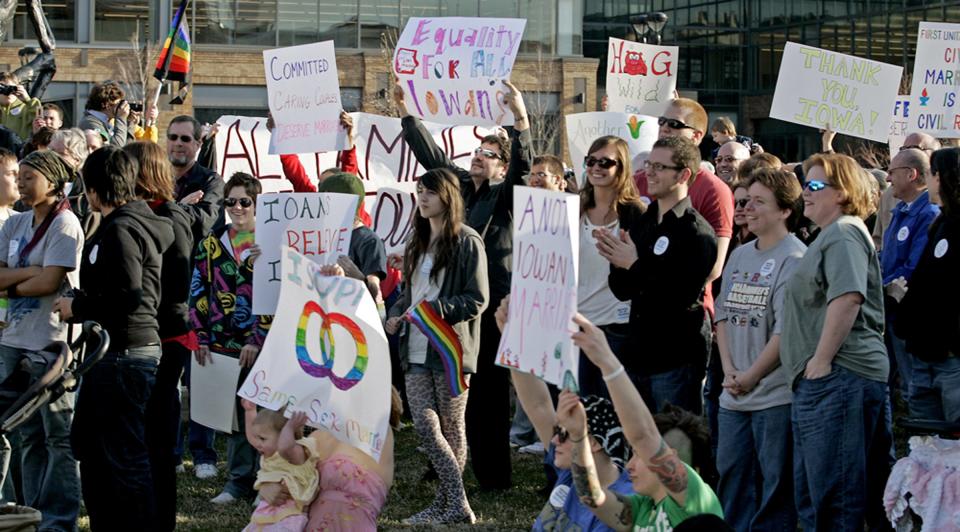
{"x":135,"y":68}
{"x":543,"y":107}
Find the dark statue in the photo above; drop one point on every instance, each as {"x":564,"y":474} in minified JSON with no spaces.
{"x":36,"y":73}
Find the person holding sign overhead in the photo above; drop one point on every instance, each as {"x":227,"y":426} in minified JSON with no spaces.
{"x":445,"y":269}
{"x":488,"y":209}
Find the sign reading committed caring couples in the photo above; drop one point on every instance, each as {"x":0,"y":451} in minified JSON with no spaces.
{"x":327,"y":355}
{"x":316,"y":224}
{"x":451,"y":68}
{"x":639,"y":131}
{"x":543,"y":291}
{"x":820,"y":88}
{"x":936,"y":80}
{"x":304,"y":98}
{"x":641,"y":77}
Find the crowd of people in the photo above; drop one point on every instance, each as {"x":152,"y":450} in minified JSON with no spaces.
{"x":745,"y":325}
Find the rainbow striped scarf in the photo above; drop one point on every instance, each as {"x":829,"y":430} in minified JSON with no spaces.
{"x":444,"y":340}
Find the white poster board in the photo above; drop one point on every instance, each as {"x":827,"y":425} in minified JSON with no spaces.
{"x":817,"y":87}
{"x":451,"y":68}
{"x":639,"y":131}
{"x":316,"y":224}
{"x":393,"y":215}
{"x":213,"y":389}
{"x":326,"y":355}
{"x":303,"y":91}
{"x":641,"y":78}
{"x":936,"y":80}
{"x":543,"y":288}
{"x":899,"y":124}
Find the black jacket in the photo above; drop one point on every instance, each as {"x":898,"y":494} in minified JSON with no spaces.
{"x":207,"y":214}
{"x":120,"y":275}
{"x":173,"y":315}
{"x":489,"y":209}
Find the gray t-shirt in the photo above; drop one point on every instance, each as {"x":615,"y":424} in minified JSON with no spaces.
{"x":31,"y":323}
{"x":841,"y":260}
{"x":751,"y":302}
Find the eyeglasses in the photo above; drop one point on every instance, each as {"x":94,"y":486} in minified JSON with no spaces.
{"x":540,"y":175}
{"x":728,"y":159}
{"x":603,"y":162}
{"x":182,"y":138}
{"x":741,"y":203}
{"x":232,"y":202}
{"x":561,"y":433}
{"x":814,"y":185}
{"x":672,"y":123}
{"x":488,"y":154}
{"x":891,"y":170}
{"x":659,"y":167}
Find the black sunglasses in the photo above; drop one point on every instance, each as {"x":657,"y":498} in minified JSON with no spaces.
{"x":604,"y":162}
{"x":244,"y":202}
{"x":561,"y":433}
{"x":741,"y":203}
{"x":183,"y":138}
{"x":672,"y":123}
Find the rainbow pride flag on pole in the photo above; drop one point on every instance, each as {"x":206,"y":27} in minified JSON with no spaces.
{"x":174,"y":61}
{"x":444,"y":339}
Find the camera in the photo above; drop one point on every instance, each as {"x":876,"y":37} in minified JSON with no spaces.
{"x":136,"y":107}
{"x":7,"y":90}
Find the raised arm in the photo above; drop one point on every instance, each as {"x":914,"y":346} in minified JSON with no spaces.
{"x":421,"y":143}
{"x":287,"y":444}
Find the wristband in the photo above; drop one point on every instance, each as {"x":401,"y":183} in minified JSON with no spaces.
{"x":616,"y":373}
{"x":12,"y":291}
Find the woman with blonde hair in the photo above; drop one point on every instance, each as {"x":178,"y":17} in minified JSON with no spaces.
{"x":608,"y":203}
{"x":833,"y":353}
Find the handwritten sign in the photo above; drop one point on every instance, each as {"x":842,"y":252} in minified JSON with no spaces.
{"x":899,"y":124}
{"x":639,"y":131}
{"x":326,"y":355}
{"x":543,"y":290}
{"x":304,"y":98}
{"x":818,"y":87}
{"x":451,"y":68}
{"x":316,"y":224}
{"x":393,"y":215}
{"x":641,"y":77}
{"x":936,"y":80}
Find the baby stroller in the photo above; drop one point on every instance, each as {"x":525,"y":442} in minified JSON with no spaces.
{"x":926,"y":482}
{"x":67,"y":364}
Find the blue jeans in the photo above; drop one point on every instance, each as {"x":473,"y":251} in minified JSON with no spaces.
{"x":935,"y":390}
{"x":842,"y":445}
{"x":110,"y":442}
{"x":588,"y":375}
{"x":755,"y":460}
{"x":50,"y":477}
{"x":899,"y":359}
{"x":200,"y":438}
{"x":679,"y":387}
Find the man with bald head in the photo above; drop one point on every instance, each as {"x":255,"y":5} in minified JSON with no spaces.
{"x":905,"y":238}
{"x":920,"y":141}
{"x":728,"y":160}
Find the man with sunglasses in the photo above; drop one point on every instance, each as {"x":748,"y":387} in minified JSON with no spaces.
{"x":497,"y":166}
{"x":728,"y":160}
{"x":197,"y":188}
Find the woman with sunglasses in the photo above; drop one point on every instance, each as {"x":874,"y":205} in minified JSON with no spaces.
{"x":221,"y":314}
{"x":608,"y":204}
{"x":834,"y":357}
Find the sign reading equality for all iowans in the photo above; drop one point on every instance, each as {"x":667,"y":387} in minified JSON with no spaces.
{"x":639,"y":131}
{"x":641,"y":78}
{"x":326,"y":355}
{"x":820,"y":88}
{"x":318,"y":225}
{"x":543,"y":290}
{"x":303,"y":91}
{"x":451,"y":68}
{"x":936,"y":80}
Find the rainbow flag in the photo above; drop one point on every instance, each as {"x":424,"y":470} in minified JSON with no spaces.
{"x":444,"y":339}
{"x":174,"y":61}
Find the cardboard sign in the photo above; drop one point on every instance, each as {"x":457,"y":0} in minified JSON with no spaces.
{"x":936,"y":80}
{"x":639,"y":131}
{"x":326,"y":355}
{"x":304,"y":98}
{"x":543,"y":290}
{"x":212,"y":389}
{"x":451,"y":68}
{"x":899,"y":124}
{"x":316,"y":224}
{"x":641,"y":78}
{"x":818,"y":88}
{"x":393,"y":215}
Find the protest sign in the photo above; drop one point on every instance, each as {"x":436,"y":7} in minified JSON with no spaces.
{"x":304,"y":96}
{"x":543,"y":289}
{"x":641,"y":78}
{"x":936,"y":80}
{"x":393,"y":215}
{"x":211,"y":392}
{"x":326,"y":355}
{"x":899,"y":124}
{"x":639,"y":131}
{"x":820,"y":88}
{"x":451,"y":68}
{"x":316,"y":224}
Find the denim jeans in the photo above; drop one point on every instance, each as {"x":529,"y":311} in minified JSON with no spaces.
{"x":199,"y":438}
{"x":588,"y":375}
{"x":899,"y":359}
{"x":755,"y":459}
{"x":679,"y":387}
{"x":712,"y":388}
{"x":50,"y":477}
{"x":109,"y":440}
{"x":935,"y":390}
{"x":842,"y":444}
{"x":162,"y":424}
{"x":243,"y":460}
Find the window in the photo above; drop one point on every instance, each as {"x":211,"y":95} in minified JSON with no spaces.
{"x":118,"y":20}
{"x":61,"y":14}
{"x":308,"y":21}
{"x":233,"y":22}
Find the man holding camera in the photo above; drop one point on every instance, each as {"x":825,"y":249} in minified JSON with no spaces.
{"x":107,"y":113}
{"x":17,"y":108}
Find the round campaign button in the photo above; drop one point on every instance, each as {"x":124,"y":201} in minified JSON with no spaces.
{"x":93,"y":254}
{"x":660,"y":247}
{"x":903,"y":233}
{"x":768,"y":267}
{"x":941,"y":249}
